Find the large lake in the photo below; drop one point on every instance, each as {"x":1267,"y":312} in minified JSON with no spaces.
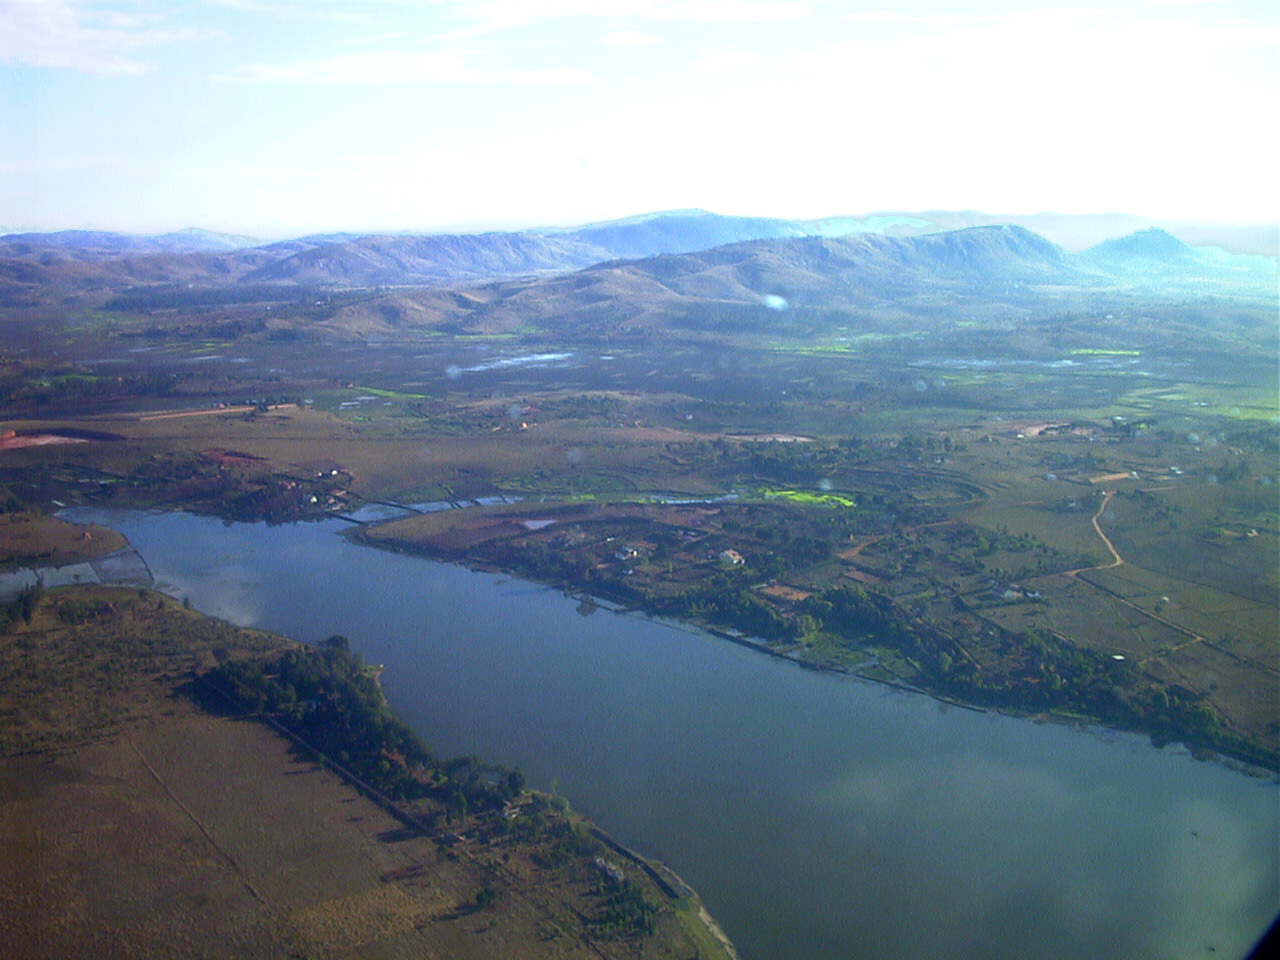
{"x":820,"y":817}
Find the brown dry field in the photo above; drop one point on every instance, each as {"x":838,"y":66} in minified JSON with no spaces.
{"x":136,"y":824}
{"x":28,"y":538}
{"x":383,"y":460}
{"x":1238,"y":676}
{"x":193,"y":835}
{"x":1205,"y":579}
{"x":459,"y":530}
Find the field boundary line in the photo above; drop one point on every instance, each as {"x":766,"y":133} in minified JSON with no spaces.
{"x":204,"y":831}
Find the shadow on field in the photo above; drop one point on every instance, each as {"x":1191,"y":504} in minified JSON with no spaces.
{"x":460,"y":912}
{"x":209,"y":700}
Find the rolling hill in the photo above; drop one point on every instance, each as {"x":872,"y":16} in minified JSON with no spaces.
{"x":767,"y":284}
{"x":107,"y":245}
{"x":348,"y":260}
{"x":877,"y":275}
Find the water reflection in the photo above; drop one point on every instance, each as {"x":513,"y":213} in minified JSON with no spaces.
{"x":820,"y":817}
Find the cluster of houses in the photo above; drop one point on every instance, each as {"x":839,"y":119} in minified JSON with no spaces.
{"x":729,"y":557}
{"x":1008,"y":592}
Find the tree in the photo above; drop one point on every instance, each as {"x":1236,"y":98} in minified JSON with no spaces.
{"x":515,"y":782}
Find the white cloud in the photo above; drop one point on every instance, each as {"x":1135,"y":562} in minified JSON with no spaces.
{"x":629,"y":38}
{"x":332,"y":10}
{"x":714,"y":60}
{"x":970,"y":19}
{"x":737,"y":11}
{"x":74,"y":35}
{"x":1095,"y":111}
{"x":399,"y":67}
{"x":696,"y":11}
{"x":876,"y":16}
{"x":78,"y":164}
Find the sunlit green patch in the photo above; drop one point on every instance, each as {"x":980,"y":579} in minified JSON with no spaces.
{"x":808,"y":497}
{"x":390,"y":394}
{"x":1268,"y":409}
{"x":1234,"y":403}
{"x":830,"y":348}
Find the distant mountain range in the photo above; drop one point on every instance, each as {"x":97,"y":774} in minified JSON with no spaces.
{"x":361,"y":260}
{"x":101,"y":244}
{"x":415,"y":259}
{"x":688,"y":263}
{"x":993,"y":272}
{"x":1077,"y":232}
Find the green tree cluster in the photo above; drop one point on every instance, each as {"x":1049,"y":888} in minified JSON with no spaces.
{"x":328,"y":697}
{"x":23,"y":606}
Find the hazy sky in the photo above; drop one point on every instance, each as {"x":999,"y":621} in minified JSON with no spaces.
{"x":280,"y":117}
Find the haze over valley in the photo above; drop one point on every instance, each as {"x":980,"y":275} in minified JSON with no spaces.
{"x":665,"y":479}
{"x":1013,"y":474}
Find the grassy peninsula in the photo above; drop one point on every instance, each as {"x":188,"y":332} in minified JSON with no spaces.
{"x":179,"y":786}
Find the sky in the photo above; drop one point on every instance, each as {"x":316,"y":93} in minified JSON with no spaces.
{"x":275,"y":118}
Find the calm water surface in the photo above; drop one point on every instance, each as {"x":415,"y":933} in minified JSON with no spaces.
{"x":820,"y":817}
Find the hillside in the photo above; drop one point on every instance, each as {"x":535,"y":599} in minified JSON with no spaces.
{"x":1076,"y":232}
{"x":425,"y":260}
{"x":95,"y":259}
{"x":568,"y":282}
{"x":1154,"y":256}
{"x":104,"y":245}
{"x":864,"y":281}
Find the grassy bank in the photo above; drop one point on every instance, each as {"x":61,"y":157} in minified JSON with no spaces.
{"x":346,"y":836}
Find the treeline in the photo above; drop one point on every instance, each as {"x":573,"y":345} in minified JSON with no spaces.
{"x":232,"y":329}
{"x":71,"y":611}
{"x":22,"y":606}
{"x":735,"y":606}
{"x":1034,"y":671}
{"x":202,"y":485}
{"x":581,"y":406}
{"x":1261,"y":437}
{"x":10,"y":502}
{"x":180,"y":296}
{"x":328,"y":697}
{"x":62,"y":385}
{"x":779,"y":460}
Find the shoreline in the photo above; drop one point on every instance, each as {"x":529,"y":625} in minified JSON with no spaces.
{"x":663,"y":876}
{"x":1241,"y":764}
{"x":357,"y":533}
{"x":185,"y":670}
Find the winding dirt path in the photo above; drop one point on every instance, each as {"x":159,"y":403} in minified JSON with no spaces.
{"x":1116,"y":560}
{"x":1191,"y":635}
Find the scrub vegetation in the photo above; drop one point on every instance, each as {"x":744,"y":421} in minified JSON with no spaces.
{"x":965,"y":463}
{"x":957,"y":489}
{"x":327,"y":827}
